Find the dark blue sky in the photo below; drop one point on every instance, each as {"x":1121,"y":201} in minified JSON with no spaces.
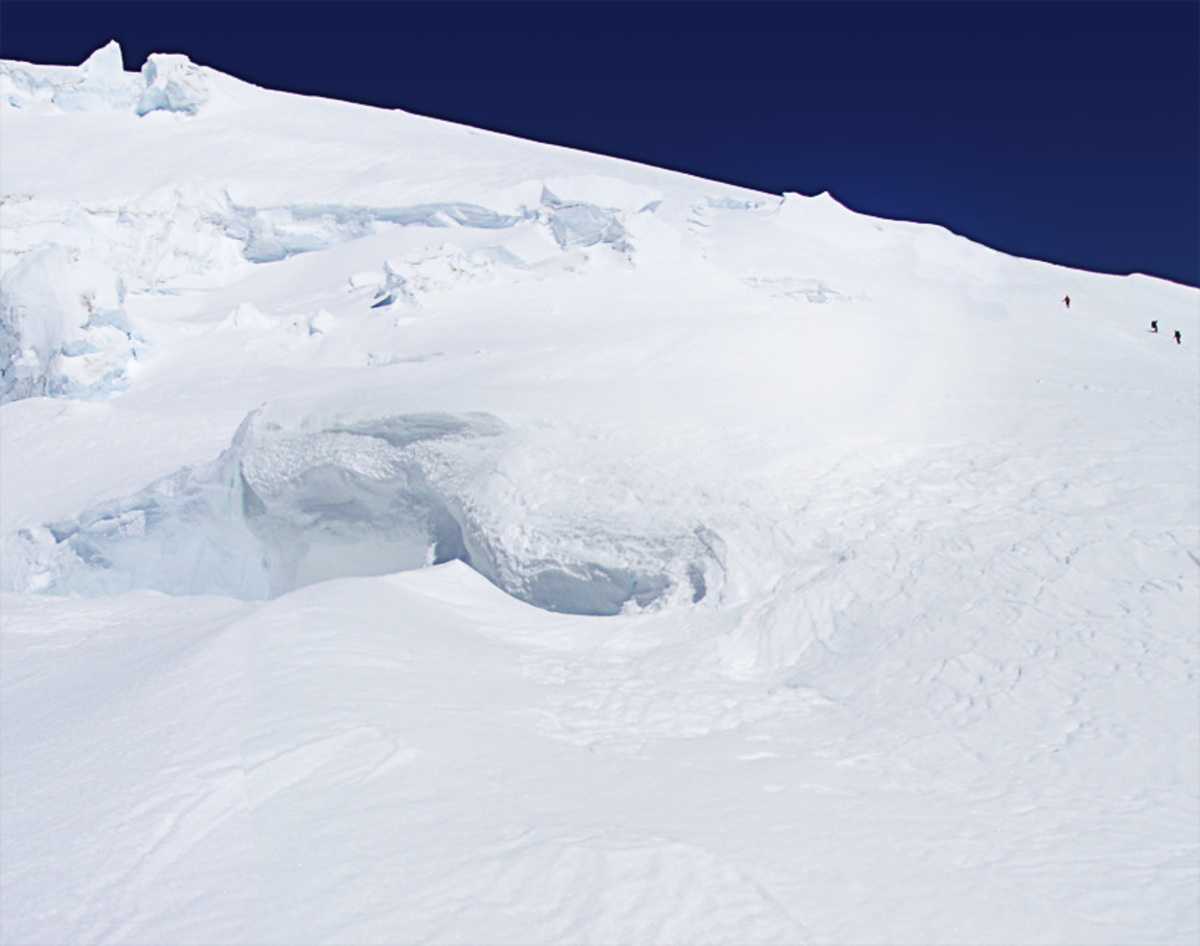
{"x":1063,"y":131}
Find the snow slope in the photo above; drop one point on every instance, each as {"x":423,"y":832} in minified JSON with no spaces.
{"x":412,"y":533}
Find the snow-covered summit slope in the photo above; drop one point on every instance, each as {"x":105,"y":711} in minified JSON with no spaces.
{"x":414,"y":533}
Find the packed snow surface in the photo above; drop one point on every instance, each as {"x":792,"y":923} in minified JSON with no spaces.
{"x":415,"y":534}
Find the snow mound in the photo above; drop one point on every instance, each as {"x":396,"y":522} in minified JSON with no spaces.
{"x":245,"y":316}
{"x":63,"y":327}
{"x":321,"y":323}
{"x":284,"y":508}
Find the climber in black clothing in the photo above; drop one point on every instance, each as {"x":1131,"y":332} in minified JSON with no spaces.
{"x":1178,"y":338}
{"x":1067,"y":301}
{"x":1154,"y":326}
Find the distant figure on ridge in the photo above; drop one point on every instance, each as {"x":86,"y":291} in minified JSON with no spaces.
{"x":1154,"y":326}
{"x":1178,"y":338}
{"x":1067,"y":301}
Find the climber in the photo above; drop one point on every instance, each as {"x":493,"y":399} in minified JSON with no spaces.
{"x":1067,"y":301}
{"x":1178,"y":338}
{"x":1154,"y":326}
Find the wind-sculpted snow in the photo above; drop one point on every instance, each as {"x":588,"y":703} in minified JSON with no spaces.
{"x":282,"y":509}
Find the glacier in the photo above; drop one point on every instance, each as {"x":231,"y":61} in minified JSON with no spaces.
{"x":414,"y":533}
{"x":63,"y":328}
{"x":282,"y":509}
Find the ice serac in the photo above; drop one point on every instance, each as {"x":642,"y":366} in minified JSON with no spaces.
{"x":63,"y":327}
{"x":173,"y":84}
{"x":105,"y":82}
{"x":284,"y":508}
{"x":167,"y":82}
{"x":99,"y":84}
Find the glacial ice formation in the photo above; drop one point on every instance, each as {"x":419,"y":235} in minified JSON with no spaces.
{"x":99,"y":84}
{"x":284,"y":508}
{"x":173,"y":84}
{"x":167,"y":82}
{"x":55,"y":342}
{"x":63,"y":328}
